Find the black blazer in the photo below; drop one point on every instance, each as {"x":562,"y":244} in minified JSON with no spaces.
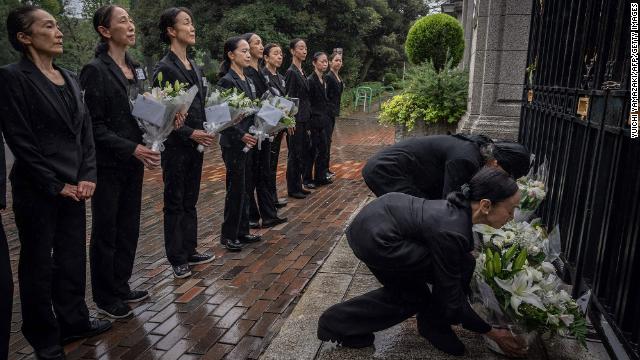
{"x":106,"y":93}
{"x":172,"y":69}
{"x":298,"y":87}
{"x":275,"y":83}
{"x":51,"y":146}
{"x":258,"y":81}
{"x":434,"y":165}
{"x":232,"y":136}
{"x":320,"y":106}
{"x":3,"y":173}
{"x":334,"y":93}
{"x":430,"y":239}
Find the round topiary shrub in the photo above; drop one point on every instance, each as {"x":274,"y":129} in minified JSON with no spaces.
{"x":434,"y":37}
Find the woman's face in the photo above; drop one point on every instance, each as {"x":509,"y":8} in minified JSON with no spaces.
{"x":321,"y":63}
{"x":121,"y":30}
{"x":274,"y":58}
{"x":44,"y":35}
{"x":498,"y":214}
{"x":257,"y":49}
{"x":300,"y":51}
{"x":183,"y":30}
{"x":241,"y":56}
{"x":336,"y":63}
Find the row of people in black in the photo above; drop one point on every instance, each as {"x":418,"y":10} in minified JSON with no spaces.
{"x":68,"y":134}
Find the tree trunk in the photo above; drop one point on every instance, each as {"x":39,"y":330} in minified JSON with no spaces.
{"x":365,"y":69}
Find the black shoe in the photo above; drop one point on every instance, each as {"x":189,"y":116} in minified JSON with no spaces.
{"x":298,"y":195}
{"x":354,"y":341}
{"x":254,"y":224}
{"x":96,"y":327}
{"x":330,"y":173}
{"x":273,"y":222}
{"x":248,"y":239}
{"x":117,"y":310}
{"x":181,"y":271}
{"x":310,"y":185}
{"x":326,"y":181}
{"x":232,"y":245}
{"x":280,"y":205}
{"x":198,"y":258}
{"x":54,"y":352}
{"x":439,"y":334}
{"x":135,"y":296}
{"x":305,"y":192}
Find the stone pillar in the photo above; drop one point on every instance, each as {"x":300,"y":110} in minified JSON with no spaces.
{"x":496,"y":36}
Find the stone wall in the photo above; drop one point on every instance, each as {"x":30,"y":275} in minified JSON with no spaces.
{"x":496,"y":36}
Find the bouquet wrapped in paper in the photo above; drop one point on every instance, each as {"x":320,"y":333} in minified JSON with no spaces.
{"x":226,"y":108}
{"x":275,"y":114}
{"x":533,"y":191}
{"x":516,"y":285}
{"x":157,"y":110}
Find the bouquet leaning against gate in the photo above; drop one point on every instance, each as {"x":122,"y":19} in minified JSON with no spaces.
{"x":157,"y":110}
{"x":226,"y":108}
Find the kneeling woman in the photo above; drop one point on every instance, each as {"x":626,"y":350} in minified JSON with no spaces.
{"x":408,"y":243}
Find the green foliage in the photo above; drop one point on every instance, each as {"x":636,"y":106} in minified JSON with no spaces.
{"x":7,"y":54}
{"x":435,"y":38}
{"x":404,"y":109}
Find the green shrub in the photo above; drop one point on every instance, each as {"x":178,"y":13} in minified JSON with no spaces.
{"x":431,"y":96}
{"x":436,"y":38}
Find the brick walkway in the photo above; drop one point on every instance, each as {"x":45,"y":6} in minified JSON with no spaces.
{"x":234,"y":306}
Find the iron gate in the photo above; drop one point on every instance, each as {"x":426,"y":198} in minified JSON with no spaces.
{"x":575,"y":116}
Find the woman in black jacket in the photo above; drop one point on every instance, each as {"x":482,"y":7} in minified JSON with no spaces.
{"x":408,"y":243}
{"x":430,"y":167}
{"x":109,"y":81}
{"x":335,"y":87}
{"x":260,"y":159}
{"x":298,"y":87}
{"x":315,"y":173}
{"x":235,"y":227}
{"x":48,"y":129}
{"x":272,"y":57}
{"x":181,"y":160}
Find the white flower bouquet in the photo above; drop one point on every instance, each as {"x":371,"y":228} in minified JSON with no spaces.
{"x":276,"y":113}
{"x":226,"y":108}
{"x":533,"y":191}
{"x":157,"y":110}
{"x":517,"y":285}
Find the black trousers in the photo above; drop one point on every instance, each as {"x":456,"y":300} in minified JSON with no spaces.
{"x":181,"y":172}
{"x":329,"y":131}
{"x":259,"y":185}
{"x":6,"y":294}
{"x":298,"y":156}
{"x":275,"y":154}
{"x":236,"y":200}
{"x":403,"y":295}
{"x":316,"y":166}
{"x":115,"y":229}
{"x":52,"y":264}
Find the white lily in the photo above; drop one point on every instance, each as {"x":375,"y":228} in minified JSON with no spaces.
{"x":567,"y":319}
{"x":535,"y":274}
{"x":487,"y":230}
{"x":547,"y":267}
{"x":522,"y":290}
{"x":553,"y":319}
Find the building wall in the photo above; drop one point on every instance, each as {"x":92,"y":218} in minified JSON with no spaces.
{"x":496,"y":36}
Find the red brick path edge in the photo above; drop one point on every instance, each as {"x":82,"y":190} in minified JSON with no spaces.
{"x":232,"y":307}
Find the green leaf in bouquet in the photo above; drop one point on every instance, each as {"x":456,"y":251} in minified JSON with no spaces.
{"x":497,"y":265}
{"x":160,"y":78}
{"x":510,"y":253}
{"x":489,"y":263}
{"x":519,"y":262}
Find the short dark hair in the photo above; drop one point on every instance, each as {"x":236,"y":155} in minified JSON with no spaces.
{"x":318,"y":54}
{"x":488,"y":183}
{"x":168,"y":19}
{"x":19,"y":20}
{"x":268,"y":47}
{"x":294,"y":42}
{"x":514,"y":158}
{"x":229,"y":46}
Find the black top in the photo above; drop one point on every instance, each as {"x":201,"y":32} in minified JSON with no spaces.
{"x":108,"y":93}
{"x":320,"y":107}
{"x":433,"y":166}
{"x":431,"y":238}
{"x":334,"y":93}
{"x":257,"y":79}
{"x":275,"y":82}
{"x":66,"y":96}
{"x":173,"y":69}
{"x":51,"y":146}
{"x":232,"y":136}
{"x":298,"y":87}
{"x":3,"y":173}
